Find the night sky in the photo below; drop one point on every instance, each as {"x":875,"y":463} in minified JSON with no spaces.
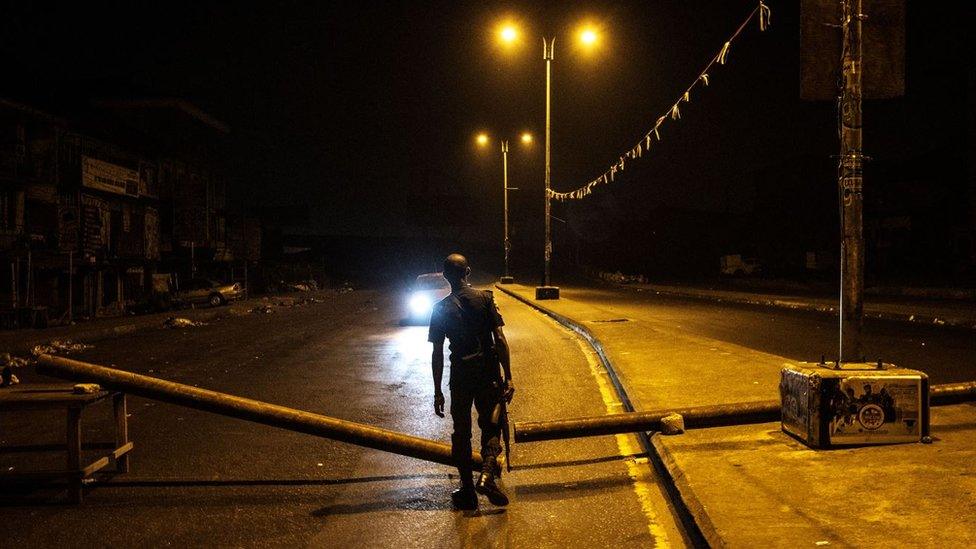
{"x":363,"y":110}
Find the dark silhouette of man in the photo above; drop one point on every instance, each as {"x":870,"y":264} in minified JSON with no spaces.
{"x":470,"y":321}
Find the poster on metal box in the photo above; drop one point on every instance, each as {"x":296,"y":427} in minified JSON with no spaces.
{"x":870,"y":410}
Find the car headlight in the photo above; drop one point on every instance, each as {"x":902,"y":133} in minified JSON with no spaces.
{"x":420,"y":304}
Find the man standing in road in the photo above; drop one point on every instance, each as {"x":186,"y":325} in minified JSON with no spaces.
{"x":469,"y":319}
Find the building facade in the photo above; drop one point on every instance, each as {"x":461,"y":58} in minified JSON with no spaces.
{"x":87,"y":225}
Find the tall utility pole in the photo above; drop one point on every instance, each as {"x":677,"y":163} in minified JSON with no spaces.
{"x":850,"y":186}
{"x":547,"y":291}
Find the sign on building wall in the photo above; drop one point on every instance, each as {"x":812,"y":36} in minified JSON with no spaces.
{"x":68,"y":224}
{"x":152,"y":234}
{"x":105,"y":176}
{"x":96,"y":224}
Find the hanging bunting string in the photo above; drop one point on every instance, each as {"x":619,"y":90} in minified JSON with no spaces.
{"x":764,"y":15}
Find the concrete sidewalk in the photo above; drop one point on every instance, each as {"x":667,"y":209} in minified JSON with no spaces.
{"x":943,"y":312}
{"x":754,"y":486}
{"x":20,"y":342}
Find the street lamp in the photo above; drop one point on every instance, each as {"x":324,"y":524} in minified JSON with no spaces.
{"x":526,"y":139}
{"x":588,"y":37}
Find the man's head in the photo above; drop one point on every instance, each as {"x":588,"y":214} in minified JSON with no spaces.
{"x":456,"y":269}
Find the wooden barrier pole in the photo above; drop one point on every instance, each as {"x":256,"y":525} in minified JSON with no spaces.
{"x":250,"y":410}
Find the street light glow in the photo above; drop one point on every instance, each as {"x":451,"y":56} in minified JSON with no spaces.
{"x":482,"y":139}
{"x":588,"y":37}
{"x":526,"y":138}
{"x":508,"y":34}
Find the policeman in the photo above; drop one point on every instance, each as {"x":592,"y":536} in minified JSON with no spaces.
{"x":469,"y":319}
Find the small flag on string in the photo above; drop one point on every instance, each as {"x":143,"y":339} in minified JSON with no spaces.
{"x":723,"y":55}
{"x":765,"y":16}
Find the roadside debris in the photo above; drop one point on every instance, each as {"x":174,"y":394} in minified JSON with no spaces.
{"x":59,"y":346}
{"x":56,"y":346}
{"x":303,"y":286}
{"x":620,"y":278}
{"x":266,"y":307}
{"x":179,"y":322}
{"x":86,"y":388}
{"x":12,"y":361}
{"x":7,"y":364}
{"x":262,"y":309}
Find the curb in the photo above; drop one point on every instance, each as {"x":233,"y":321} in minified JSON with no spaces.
{"x":691,"y":511}
{"x":668,"y":466}
{"x":786,"y":302}
{"x":153,"y":321}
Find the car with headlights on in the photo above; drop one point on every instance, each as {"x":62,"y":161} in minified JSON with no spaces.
{"x":427,"y":290}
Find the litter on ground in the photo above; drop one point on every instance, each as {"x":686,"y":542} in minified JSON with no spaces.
{"x":179,"y":322}
{"x":56,"y":346}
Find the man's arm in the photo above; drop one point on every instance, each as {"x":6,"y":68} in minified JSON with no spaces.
{"x":437,"y":369}
{"x":501,"y":347}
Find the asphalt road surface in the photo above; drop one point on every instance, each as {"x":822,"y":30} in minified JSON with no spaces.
{"x":199,"y":479}
{"x":946,"y":354}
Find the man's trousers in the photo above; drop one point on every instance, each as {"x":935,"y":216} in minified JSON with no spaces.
{"x":484,"y":396}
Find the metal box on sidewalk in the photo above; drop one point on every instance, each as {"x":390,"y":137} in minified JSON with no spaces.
{"x":860,"y":404}
{"x":546,"y":292}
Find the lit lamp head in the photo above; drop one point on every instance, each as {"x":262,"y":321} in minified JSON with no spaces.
{"x":526,"y":138}
{"x":481,"y":139}
{"x":508,"y":34}
{"x":588,"y":37}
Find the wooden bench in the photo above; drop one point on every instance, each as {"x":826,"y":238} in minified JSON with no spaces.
{"x":61,"y":396}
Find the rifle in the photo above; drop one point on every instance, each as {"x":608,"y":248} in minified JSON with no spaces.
{"x":499,"y":416}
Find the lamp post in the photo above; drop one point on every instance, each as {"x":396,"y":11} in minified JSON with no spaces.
{"x":588,"y":37}
{"x":547,"y":291}
{"x":506,"y":277}
{"x":526,"y":139}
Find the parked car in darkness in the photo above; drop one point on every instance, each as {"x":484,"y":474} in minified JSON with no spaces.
{"x":203,"y":290}
{"x":427,"y":290}
{"x":735,"y":265}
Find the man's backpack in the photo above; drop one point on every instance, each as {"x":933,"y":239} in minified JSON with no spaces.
{"x":484,"y":352}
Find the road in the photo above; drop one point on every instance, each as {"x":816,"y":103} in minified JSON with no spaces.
{"x":946,"y":354}
{"x":200,"y":479}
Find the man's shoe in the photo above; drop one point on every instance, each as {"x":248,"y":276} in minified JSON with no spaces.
{"x":464,"y":499}
{"x":486,"y":486}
